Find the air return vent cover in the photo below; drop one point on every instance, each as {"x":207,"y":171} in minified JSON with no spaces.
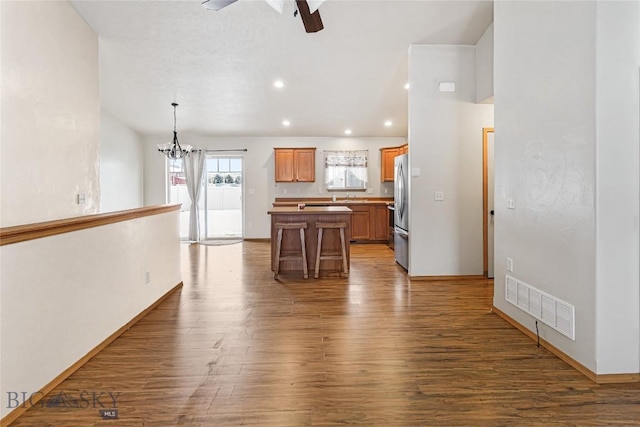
{"x":544,"y":307}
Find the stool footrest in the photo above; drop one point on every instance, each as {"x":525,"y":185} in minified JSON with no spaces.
{"x":291,"y":258}
{"x":329,"y":256}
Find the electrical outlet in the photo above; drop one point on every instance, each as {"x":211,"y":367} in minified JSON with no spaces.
{"x":147,"y":277}
{"x":438,"y":196}
{"x":510,"y":264}
{"x":298,"y":190}
{"x":81,"y":198}
{"x":511,"y":202}
{"x":284,"y":191}
{"x":386,"y":191}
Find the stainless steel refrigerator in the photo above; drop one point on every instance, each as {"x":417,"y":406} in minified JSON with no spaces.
{"x":401,"y":216}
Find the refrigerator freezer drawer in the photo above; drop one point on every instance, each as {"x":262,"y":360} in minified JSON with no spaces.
{"x":401,"y":247}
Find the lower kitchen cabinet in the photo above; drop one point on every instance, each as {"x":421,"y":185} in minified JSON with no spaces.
{"x":369,"y":222}
{"x":380,"y":222}
{"x":360,"y":222}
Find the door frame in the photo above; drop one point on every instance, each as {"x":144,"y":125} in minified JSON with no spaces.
{"x":485,"y":201}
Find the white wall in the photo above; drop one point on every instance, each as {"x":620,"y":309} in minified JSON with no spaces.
{"x":56,"y":313}
{"x":445,"y":144}
{"x":121,"y":165}
{"x":259,"y":181}
{"x":545,"y":158}
{"x":617,"y":128}
{"x":566,"y":147}
{"x":50,"y":113}
{"x":484,"y":67}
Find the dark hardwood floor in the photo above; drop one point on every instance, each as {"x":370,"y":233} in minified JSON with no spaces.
{"x":236,"y":347}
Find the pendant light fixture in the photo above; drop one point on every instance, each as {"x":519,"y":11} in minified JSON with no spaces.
{"x":173,"y":150}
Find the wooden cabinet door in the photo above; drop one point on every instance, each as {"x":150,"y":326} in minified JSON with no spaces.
{"x":284,"y":164}
{"x":380,"y":222}
{"x":360,"y":222}
{"x":404,"y":149}
{"x":304,"y":161}
{"x":295,"y":164}
{"x":387,"y":164}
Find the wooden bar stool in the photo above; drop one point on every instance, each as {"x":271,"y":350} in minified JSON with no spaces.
{"x":280,"y":227}
{"x":341,"y":256}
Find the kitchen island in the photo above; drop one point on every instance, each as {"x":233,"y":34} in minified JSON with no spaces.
{"x":369,"y":220}
{"x":291,"y":239}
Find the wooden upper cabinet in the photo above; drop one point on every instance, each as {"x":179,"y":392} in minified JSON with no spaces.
{"x":304,"y":161}
{"x":386,"y":163}
{"x":295,"y":164}
{"x":387,"y":155}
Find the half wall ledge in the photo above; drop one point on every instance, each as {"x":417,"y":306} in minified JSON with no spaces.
{"x":23,"y":233}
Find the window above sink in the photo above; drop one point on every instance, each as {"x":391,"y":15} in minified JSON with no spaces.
{"x":346,"y":170}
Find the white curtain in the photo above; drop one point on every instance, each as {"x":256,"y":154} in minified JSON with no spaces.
{"x":345,"y":170}
{"x":194,"y":171}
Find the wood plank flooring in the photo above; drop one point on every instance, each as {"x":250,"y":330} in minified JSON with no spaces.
{"x":235,"y":347}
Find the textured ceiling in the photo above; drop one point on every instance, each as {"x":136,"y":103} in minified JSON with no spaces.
{"x":220,"y":66}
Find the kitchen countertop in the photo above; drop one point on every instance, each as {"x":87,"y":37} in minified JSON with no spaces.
{"x":313,"y":210}
{"x":309,"y":202}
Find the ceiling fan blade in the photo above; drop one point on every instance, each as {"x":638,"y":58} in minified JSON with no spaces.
{"x":278,"y":5}
{"x":312,"y":21}
{"x":314,"y":4}
{"x":217,"y":4}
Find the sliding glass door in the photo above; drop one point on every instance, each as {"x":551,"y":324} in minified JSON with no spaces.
{"x":223,"y":197}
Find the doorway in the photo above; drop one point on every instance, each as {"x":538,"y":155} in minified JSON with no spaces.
{"x":488,"y":189}
{"x":223,"y":198}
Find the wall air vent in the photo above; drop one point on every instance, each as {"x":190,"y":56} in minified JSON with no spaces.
{"x":544,"y":307}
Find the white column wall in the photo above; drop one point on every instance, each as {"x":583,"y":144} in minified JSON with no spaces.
{"x":484,"y":67}
{"x":50,"y":113}
{"x":617,"y":234}
{"x":545,"y":158}
{"x":445,"y":149}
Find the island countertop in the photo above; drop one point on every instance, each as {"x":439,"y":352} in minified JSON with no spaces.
{"x":315,"y":210}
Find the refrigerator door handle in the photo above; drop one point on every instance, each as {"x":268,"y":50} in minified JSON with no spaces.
{"x":401,"y":190}
{"x":401,"y":232}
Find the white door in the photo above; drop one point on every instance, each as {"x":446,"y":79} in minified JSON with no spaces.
{"x":490,"y":208}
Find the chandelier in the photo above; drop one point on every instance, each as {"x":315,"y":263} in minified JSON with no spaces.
{"x":173,"y":150}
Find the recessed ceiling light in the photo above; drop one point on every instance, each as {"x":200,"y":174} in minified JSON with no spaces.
{"x":286,"y":123}
{"x":388,"y":123}
{"x":279,"y":84}
{"x":347,"y":132}
{"x":406,"y":86}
